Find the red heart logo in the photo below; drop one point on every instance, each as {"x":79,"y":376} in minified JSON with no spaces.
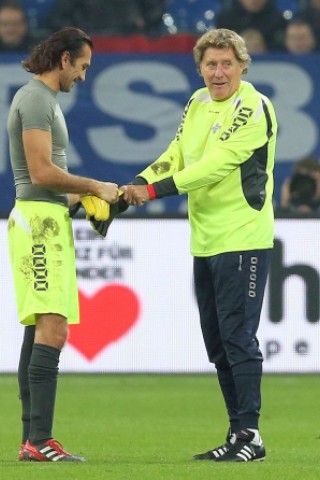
{"x":105,"y":317}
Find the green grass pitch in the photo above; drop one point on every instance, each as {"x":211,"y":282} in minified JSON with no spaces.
{"x":147,"y":427}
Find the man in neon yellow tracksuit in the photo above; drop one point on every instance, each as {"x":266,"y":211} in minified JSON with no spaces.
{"x":223,"y":158}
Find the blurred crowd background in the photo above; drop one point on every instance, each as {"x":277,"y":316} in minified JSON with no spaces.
{"x":268,"y":26}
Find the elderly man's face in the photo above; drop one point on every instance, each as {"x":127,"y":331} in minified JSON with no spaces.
{"x":221,"y":72}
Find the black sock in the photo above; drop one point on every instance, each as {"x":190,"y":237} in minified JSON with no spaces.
{"x":43,"y":372}
{"x":23,"y":379}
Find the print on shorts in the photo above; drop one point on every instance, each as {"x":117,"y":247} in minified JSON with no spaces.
{"x":39,"y":267}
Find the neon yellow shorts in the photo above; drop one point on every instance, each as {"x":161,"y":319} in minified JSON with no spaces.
{"x":42,"y":257}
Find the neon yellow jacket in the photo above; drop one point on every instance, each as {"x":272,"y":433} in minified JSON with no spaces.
{"x":223,"y":158}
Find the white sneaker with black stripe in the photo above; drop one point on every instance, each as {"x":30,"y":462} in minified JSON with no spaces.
{"x":217,"y":452}
{"x":244,"y":450}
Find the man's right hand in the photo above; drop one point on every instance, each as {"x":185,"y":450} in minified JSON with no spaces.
{"x":107,"y":191}
{"x":135,"y":194}
{"x":97,"y":206}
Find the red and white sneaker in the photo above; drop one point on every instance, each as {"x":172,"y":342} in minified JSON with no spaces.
{"x":50,"y":451}
{"x":23,"y":454}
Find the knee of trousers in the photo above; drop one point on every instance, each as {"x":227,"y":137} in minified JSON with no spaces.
{"x":239,"y":350}
{"x":218,"y":357}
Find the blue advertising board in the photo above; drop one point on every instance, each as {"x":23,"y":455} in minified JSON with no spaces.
{"x":130,"y":106}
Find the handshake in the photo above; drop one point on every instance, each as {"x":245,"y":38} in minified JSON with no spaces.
{"x":100,"y":213}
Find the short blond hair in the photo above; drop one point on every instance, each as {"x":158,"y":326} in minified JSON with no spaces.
{"x":222,"y":38}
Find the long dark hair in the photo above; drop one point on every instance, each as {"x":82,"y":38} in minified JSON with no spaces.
{"x":47,"y":55}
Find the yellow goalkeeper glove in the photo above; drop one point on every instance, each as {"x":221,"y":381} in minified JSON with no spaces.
{"x":101,"y":227}
{"x":95,"y":207}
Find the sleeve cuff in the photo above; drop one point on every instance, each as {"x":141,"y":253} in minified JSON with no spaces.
{"x":152,"y":192}
{"x":139,"y":181}
{"x":165,"y":188}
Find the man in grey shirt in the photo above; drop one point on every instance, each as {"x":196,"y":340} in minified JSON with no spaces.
{"x":40,"y":233}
